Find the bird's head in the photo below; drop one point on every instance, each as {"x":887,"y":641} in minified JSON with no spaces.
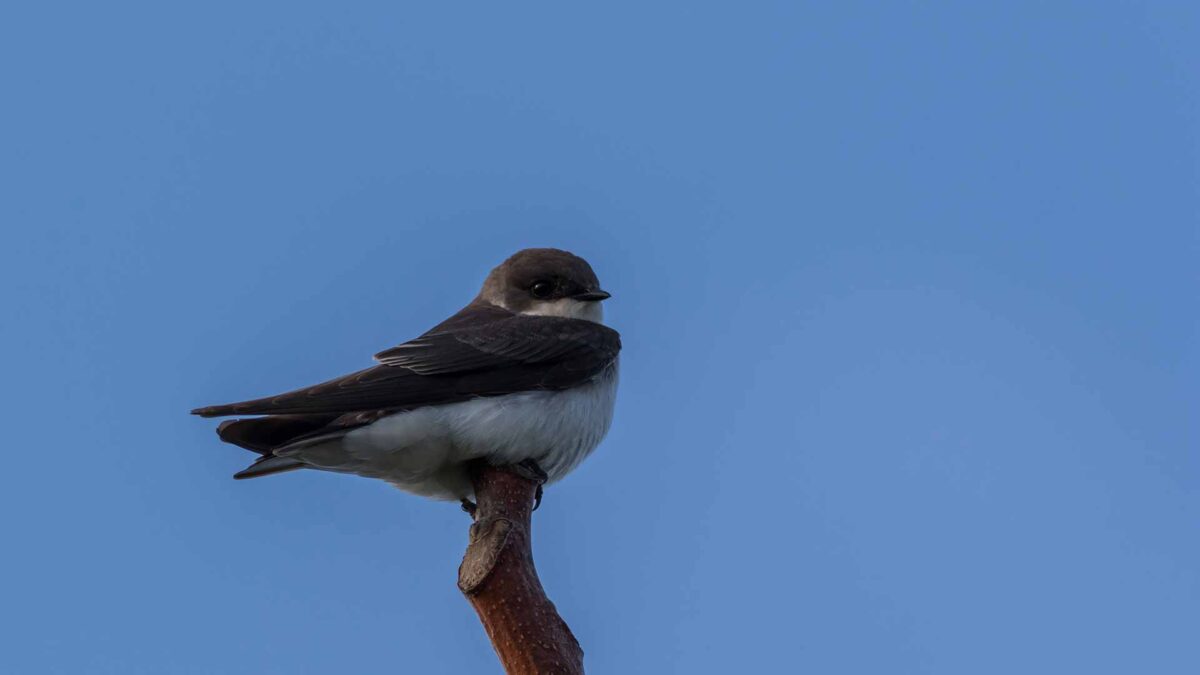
{"x":545,"y":282}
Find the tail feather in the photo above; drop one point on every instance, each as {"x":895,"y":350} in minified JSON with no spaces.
{"x":280,"y":433}
{"x":264,"y":434}
{"x":267,"y":465}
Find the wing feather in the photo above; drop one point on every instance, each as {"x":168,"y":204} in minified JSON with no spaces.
{"x":459,"y":360}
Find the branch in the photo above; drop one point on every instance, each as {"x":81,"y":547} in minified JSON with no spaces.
{"x":498,"y":577}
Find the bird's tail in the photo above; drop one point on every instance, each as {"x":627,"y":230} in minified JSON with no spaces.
{"x":266,"y":434}
{"x":267,"y":465}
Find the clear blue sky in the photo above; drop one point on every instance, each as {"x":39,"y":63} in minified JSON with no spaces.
{"x":908,"y":294}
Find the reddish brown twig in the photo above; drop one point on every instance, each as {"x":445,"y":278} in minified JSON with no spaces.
{"x":498,"y":577}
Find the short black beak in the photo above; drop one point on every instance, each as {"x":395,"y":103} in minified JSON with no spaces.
{"x":592,"y":296}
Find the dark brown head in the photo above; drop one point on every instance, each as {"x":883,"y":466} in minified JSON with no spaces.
{"x":545,"y":282}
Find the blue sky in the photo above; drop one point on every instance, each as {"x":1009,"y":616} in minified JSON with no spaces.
{"x":907,"y":292}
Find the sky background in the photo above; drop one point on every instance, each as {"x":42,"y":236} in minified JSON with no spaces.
{"x":908,"y":293}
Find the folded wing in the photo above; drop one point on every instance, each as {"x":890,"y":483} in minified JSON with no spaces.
{"x":478,"y":352}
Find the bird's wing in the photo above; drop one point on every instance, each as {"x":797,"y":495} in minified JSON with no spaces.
{"x":459,"y":360}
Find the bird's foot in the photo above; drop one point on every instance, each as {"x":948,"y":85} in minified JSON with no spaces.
{"x":529,"y":469}
{"x":469,"y":506}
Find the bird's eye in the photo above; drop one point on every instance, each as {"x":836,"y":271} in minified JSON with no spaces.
{"x":541,"y":289}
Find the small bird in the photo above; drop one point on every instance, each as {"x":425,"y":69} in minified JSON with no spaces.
{"x":526,"y":373}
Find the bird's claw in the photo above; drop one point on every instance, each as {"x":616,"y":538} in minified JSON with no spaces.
{"x":529,"y":469}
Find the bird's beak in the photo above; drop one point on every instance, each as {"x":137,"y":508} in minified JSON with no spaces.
{"x":592,"y":296}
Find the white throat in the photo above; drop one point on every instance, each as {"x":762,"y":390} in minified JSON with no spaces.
{"x":569,"y":308}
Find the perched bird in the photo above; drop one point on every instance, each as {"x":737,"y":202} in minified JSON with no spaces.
{"x":525,"y":373}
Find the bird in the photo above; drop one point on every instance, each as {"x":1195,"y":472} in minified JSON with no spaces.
{"x":525,"y":374}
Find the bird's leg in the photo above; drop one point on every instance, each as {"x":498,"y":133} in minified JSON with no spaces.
{"x":529,"y":469}
{"x":469,"y":507}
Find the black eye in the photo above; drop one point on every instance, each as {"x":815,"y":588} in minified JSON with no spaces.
{"x":541,"y":289}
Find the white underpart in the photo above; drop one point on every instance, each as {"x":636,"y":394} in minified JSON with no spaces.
{"x":424,"y":451}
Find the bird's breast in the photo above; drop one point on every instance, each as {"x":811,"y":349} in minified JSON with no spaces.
{"x":557,"y":429}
